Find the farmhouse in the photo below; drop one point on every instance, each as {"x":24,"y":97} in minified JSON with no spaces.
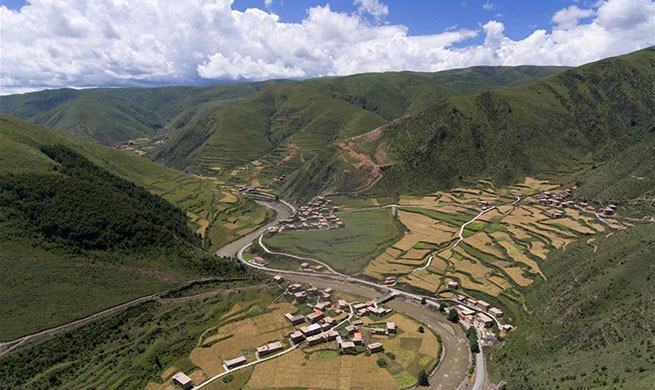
{"x":295,"y":319}
{"x":182,"y":380}
{"x":313,"y":340}
{"x":269,"y":348}
{"x":331,"y":335}
{"x":375,"y":347}
{"x":390,"y":280}
{"x":391,"y":327}
{"x":485,"y":320}
{"x":296,"y":337}
{"x":464,"y":311}
{"x":315,"y":316}
{"x":347,"y":346}
{"x":483,"y":305}
{"x":496,"y":312}
{"x":259,"y":260}
{"x":350,"y":329}
{"x":294,"y":287}
{"x":379,"y":331}
{"x":357,"y":338}
{"x":300,"y":296}
{"x":453,"y":285}
{"x":278,"y":279}
{"x":342,"y":304}
{"x":311,"y":330}
{"x":236,"y":362}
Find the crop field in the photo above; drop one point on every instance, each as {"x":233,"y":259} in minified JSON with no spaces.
{"x":502,"y":250}
{"x":347,"y":249}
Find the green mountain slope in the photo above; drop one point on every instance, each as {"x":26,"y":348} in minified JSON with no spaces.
{"x":114,"y":115}
{"x":286,"y":125}
{"x":588,"y":114}
{"x":77,"y":235}
{"x":592,"y":322}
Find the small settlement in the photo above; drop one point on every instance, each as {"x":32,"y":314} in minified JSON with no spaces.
{"x":561,"y":200}
{"x":317,"y":214}
{"x":321,"y":320}
{"x":480,"y":314}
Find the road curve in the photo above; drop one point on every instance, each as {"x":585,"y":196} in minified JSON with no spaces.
{"x":282,"y":211}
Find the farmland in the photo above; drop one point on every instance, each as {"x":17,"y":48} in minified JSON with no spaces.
{"x":349,"y":249}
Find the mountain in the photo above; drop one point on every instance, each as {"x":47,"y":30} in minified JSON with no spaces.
{"x":284,"y":126}
{"x":591,"y":322}
{"x":82,"y":228}
{"x":115,"y":115}
{"x":599,"y":117}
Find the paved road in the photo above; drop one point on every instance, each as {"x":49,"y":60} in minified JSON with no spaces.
{"x":282,"y":211}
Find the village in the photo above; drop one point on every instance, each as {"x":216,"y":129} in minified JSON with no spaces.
{"x":561,"y":200}
{"x":350,"y":327}
{"x":317,"y":214}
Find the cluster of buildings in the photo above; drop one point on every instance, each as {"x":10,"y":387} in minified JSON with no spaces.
{"x":317,"y":326}
{"x":562,"y":200}
{"x":483,"y":319}
{"x":311,"y":268}
{"x":317,"y":214}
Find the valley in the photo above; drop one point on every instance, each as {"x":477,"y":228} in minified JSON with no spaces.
{"x":479,"y":228}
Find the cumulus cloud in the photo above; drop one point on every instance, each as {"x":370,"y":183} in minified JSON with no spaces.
{"x":488,"y":6}
{"x":569,"y":17}
{"x":54,"y":43}
{"x":375,"y":8}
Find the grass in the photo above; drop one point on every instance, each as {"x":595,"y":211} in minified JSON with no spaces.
{"x":346,"y":250}
{"x":591,"y":319}
{"x":38,"y":287}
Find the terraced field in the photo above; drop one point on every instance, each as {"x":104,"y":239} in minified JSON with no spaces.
{"x":501,"y":251}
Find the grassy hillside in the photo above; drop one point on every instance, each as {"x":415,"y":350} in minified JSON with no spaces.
{"x":113,"y":115}
{"x":286,"y":125}
{"x":75,"y":228}
{"x":588,"y":114}
{"x":591,"y":322}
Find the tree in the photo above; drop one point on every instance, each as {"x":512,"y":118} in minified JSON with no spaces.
{"x":423,"y":301}
{"x":472,"y":336}
{"x":442,"y":307}
{"x":452,"y":316}
{"x":423,"y":378}
{"x":382,"y":363}
{"x":421,"y":330}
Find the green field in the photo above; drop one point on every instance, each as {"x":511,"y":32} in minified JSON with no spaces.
{"x":346,"y":250}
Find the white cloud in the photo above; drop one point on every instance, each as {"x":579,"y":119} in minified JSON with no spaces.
{"x":569,"y":17}
{"x":268,"y":3}
{"x":488,"y":6}
{"x":55,"y":43}
{"x":375,"y":8}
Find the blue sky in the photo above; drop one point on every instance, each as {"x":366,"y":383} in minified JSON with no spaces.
{"x":84,"y":43}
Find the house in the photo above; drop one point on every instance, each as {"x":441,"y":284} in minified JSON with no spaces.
{"x":483,"y":305}
{"x":328,"y":290}
{"x":315,"y":316}
{"x":295,"y":319}
{"x":357,"y":338}
{"x":347,"y":346}
{"x":300,"y":296}
{"x":375,"y":347}
{"x":350,"y":329}
{"x":304,"y":265}
{"x":453,"y":285}
{"x":278,"y":279}
{"x":296,"y":337}
{"x":464,"y":311}
{"x":182,"y":380}
{"x":331,"y":335}
{"x":391,"y":327}
{"x":321,"y":306}
{"x":507,"y":327}
{"x":312,"y":291}
{"x":496,"y":312}
{"x":273,"y":230}
{"x":363,"y":312}
{"x":379,"y":331}
{"x":461,"y":298}
{"x":313,"y":340}
{"x":236,"y":362}
{"x":390,"y":280}
{"x":342,"y":304}
{"x":484,"y":320}
{"x":259,"y":260}
{"x":359,"y":306}
{"x":311,"y":330}
{"x":294,"y":287}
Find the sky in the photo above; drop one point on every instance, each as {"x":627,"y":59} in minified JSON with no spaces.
{"x":90,"y":43}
